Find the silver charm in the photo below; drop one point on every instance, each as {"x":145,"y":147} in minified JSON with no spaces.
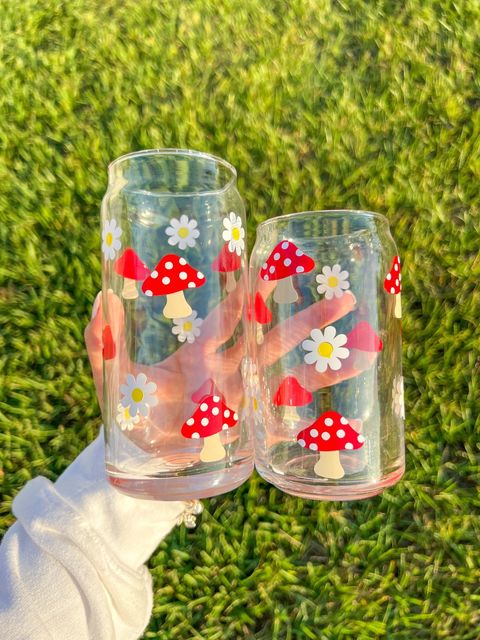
{"x":193,"y":508}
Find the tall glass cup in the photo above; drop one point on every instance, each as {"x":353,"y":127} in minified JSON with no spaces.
{"x":174,"y":290}
{"x":325,"y":346}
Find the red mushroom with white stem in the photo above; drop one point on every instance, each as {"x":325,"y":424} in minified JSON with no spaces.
{"x":291,"y":394}
{"x":170,"y":278}
{"x":393,"y":285}
{"x":285,"y":261}
{"x":211,"y":417}
{"x":131,"y":268}
{"x":227,"y":262}
{"x":362,"y":341}
{"x":263,"y":315}
{"x":328,"y":435}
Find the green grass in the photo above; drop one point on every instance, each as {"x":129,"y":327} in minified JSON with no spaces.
{"x":319,"y":105}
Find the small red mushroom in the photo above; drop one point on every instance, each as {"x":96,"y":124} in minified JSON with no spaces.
{"x":291,"y":394}
{"x":328,"y":435}
{"x":131,"y":268}
{"x":263,"y":315}
{"x":227,"y":262}
{"x":170,"y":278}
{"x":211,"y":417}
{"x":285,"y":261}
{"x":208,"y":388}
{"x":393,"y":285}
{"x":109,"y":349}
{"x":364,"y":338}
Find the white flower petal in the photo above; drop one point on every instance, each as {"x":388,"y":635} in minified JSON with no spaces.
{"x":342,"y":352}
{"x":311,"y":357}
{"x":329,"y":333}
{"x":321,"y":365}
{"x":334,"y":363}
{"x":340,"y":340}
{"x":316,"y":335}
{"x":309,"y":345}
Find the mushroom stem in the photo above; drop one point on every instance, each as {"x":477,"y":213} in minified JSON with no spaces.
{"x":285,"y":291}
{"x":398,"y":305}
{"x":129,"y":291}
{"x":259,"y":333}
{"x":329,"y":465}
{"x":230,"y":282}
{"x":177,"y":306}
{"x":213,"y":449}
{"x":290,"y":414}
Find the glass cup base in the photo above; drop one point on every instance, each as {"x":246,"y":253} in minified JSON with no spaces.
{"x":330,"y":492}
{"x":181,"y":487}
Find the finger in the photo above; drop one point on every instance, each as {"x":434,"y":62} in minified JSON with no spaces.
{"x":221,"y":322}
{"x":225,"y":363}
{"x":356,"y":363}
{"x":290,"y":332}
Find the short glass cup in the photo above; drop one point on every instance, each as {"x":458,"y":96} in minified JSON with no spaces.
{"x":326,"y":355}
{"x":174,"y":291}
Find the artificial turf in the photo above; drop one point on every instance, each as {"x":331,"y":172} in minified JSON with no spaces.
{"x":319,"y":105}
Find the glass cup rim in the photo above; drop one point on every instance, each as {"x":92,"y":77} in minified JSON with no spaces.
{"x":176,"y":152}
{"x":285,"y":217}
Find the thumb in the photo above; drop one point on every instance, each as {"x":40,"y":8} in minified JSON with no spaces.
{"x":94,"y":344}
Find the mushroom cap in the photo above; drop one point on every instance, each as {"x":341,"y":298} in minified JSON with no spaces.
{"x":364,"y":338}
{"x":226,"y":261}
{"x":211,"y":416}
{"x":130,"y":266}
{"x":208,"y":388}
{"x":286,"y":260}
{"x":172,"y":274}
{"x":263,"y":315}
{"x":291,"y":393}
{"x":109,"y":349}
{"x":393,"y":280}
{"x":330,"y":432}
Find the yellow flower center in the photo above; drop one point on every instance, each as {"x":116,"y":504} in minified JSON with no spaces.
{"x":183,"y":232}
{"x":187,"y":326}
{"x":325,"y":349}
{"x":236,"y":233}
{"x":137,"y":395}
{"x":332,"y":281}
{"x":255,"y":404}
{"x":109,"y":239}
{"x":126,"y":414}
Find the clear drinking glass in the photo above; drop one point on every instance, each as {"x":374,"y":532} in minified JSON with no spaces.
{"x":174,"y":288}
{"x":325,"y":349}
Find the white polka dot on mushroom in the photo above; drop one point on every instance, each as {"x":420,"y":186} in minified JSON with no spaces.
{"x":392,"y":290}
{"x":389,"y":276}
{"x":183,"y":275}
{"x":325,"y":435}
{"x":182,"y":261}
{"x":204,"y":421}
{"x":191,"y":285}
{"x":328,"y":422}
{"x":203,"y":406}
{"x":148,"y":293}
{"x":166,"y":280}
{"x":154,"y":274}
{"x":285,"y":245}
{"x":200,"y":275}
{"x":190,"y":421}
{"x":349,"y":445}
{"x":215,"y":411}
{"x":361,"y":438}
{"x":340,"y":433}
{"x":276,"y":256}
{"x":313,"y":433}
{"x":299,"y":253}
{"x":226,"y":413}
{"x":313,"y":446}
{"x":395,"y":266}
{"x":195,"y":435}
{"x":168,"y":265}
{"x":343,"y":420}
{"x":287,"y":262}
{"x":224,"y":426}
{"x":264,"y":265}
{"x":272,"y":269}
{"x":235,"y":416}
{"x":265,"y":277}
{"x":301,"y":442}
{"x":216,"y":398}
{"x":299,"y":269}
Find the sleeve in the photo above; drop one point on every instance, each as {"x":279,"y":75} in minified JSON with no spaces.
{"x":72,"y":566}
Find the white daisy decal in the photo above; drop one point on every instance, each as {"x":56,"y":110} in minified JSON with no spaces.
{"x":183,"y":232}
{"x":397,"y":397}
{"x":187,"y":328}
{"x":138,"y":394}
{"x":325,"y":349}
{"x":234,"y":233}
{"x":333,"y":282}
{"x":125,"y":420}
{"x":111,"y":239}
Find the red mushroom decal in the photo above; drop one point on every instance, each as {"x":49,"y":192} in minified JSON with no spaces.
{"x":285,"y":261}
{"x":328,"y":435}
{"x":393,"y":285}
{"x":291,"y":394}
{"x":363,"y":338}
{"x":170,"y":278}
{"x":109,"y":349}
{"x":211,"y":417}
{"x":263,"y":315}
{"x":131,"y":268}
{"x":227,"y":262}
